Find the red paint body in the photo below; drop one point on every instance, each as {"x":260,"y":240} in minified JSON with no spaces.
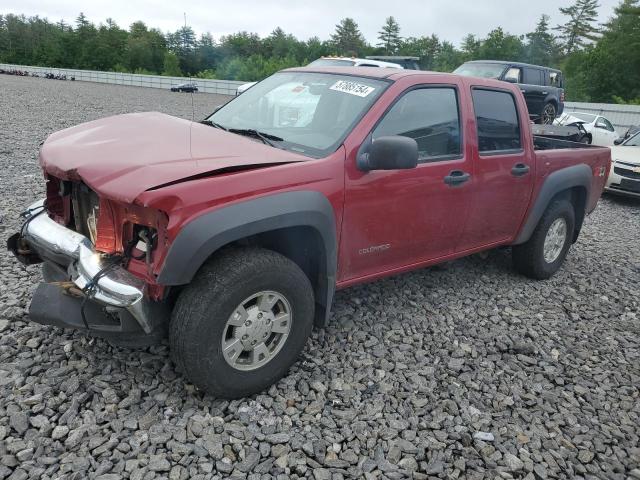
{"x":175,"y":170}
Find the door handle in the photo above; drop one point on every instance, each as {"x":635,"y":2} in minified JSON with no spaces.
{"x":456,"y":177}
{"x":520,"y":169}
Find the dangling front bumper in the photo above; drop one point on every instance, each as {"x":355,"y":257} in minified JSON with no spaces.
{"x":41,"y":239}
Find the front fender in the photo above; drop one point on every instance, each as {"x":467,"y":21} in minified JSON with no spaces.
{"x":206,"y":234}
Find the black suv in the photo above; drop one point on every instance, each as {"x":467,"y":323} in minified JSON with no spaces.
{"x":543,"y":87}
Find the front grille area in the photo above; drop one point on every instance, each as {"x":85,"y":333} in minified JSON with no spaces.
{"x":73,"y":205}
{"x":85,"y":210}
{"x":625,"y":172}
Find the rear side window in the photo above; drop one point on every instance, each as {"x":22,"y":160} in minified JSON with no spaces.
{"x":496,"y":120}
{"x":429,"y":116}
{"x":555,"y":79}
{"x":533,"y":76}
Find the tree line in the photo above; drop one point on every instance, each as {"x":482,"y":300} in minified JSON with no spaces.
{"x":601,"y":62}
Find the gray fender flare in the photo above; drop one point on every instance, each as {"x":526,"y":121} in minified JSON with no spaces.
{"x":206,"y":234}
{"x":558,"y":181}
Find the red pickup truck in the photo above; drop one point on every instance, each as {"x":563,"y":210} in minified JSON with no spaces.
{"x":231,"y":235}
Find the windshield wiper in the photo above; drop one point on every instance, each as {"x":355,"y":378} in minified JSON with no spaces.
{"x":265,"y":137}
{"x":214,"y":124}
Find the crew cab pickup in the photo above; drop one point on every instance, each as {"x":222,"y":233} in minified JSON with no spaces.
{"x":231,"y":235}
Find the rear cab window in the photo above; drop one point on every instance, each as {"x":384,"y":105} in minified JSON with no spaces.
{"x":497,"y":121}
{"x":430,"y":115}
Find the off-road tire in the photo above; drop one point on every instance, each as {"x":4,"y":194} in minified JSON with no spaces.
{"x":546,"y":118}
{"x":204,"y":306}
{"x":528,"y":258}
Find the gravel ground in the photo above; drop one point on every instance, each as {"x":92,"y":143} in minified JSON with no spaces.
{"x":464,"y":370}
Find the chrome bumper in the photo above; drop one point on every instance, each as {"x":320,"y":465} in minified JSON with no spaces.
{"x":115,"y":288}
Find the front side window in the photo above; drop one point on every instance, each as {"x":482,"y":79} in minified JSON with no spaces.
{"x":604,"y":123}
{"x":306,"y":112}
{"x":496,"y":121}
{"x":429,"y":116}
{"x":514,"y":74}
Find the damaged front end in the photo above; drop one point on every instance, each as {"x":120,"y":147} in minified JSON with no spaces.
{"x":97,"y":267}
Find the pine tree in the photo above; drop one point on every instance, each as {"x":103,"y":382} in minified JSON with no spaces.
{"x":580,"y":28}
{"x":541,"y":47}
{"x":347,"y":39}
{"x":470,"y":47}
{"x":612,"y":68}
{"x":389,"y":36}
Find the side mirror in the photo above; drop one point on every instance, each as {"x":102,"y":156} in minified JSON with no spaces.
{"x":618,"y":141}
{"x":389,"y":153}
{"x":511,"y":79}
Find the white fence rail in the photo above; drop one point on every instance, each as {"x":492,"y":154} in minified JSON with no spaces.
{"x":222,"y":87}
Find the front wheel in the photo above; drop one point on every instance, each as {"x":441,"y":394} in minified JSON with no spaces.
{"x":243,"y":321}
{"x":543,"y":254}
{"x":549,"y":113}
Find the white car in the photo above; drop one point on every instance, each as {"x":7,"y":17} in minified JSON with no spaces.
{"x":624,"y":176}
{"x":600,"y":130}
{"x":335,"y":62}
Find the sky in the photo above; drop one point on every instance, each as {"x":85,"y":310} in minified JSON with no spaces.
{"x":449,"y":19}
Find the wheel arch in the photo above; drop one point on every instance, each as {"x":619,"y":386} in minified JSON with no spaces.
{"x":572,"y":183}
{"x":299,"y":225}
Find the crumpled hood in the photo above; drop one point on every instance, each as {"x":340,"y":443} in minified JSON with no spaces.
{"x":123,"y":156}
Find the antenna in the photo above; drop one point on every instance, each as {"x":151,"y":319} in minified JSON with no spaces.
{"x":193,"y":108}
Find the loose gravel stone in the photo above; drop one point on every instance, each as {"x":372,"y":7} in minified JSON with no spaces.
{"x":462,"y":370}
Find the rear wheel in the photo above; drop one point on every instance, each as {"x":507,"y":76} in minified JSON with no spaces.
{"x":548,"y":114}
{"x":243,"y":321}
{"x":543,"y":254}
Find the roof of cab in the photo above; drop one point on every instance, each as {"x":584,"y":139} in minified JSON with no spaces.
{"x":393,"y":74}
{"x":370,"y":72}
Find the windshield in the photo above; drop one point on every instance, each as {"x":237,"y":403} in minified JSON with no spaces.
{"x":331,"y":62}
{"x":483,"y":70}
{"x":633,"y":141}
{"x":310,"y":113}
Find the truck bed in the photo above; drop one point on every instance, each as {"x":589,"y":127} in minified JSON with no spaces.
{"x":547,"y":143}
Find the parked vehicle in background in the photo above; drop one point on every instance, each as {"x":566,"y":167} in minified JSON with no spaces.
{"x":409,"y":63}
{"x":624,"y":177}
{"x":543,"y":87}
{"x":628,"y":134}
{"x":185,"y":87}
{"x":600,"y":131}
{"x":334,"y":62}
{"x":231,"y":235}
